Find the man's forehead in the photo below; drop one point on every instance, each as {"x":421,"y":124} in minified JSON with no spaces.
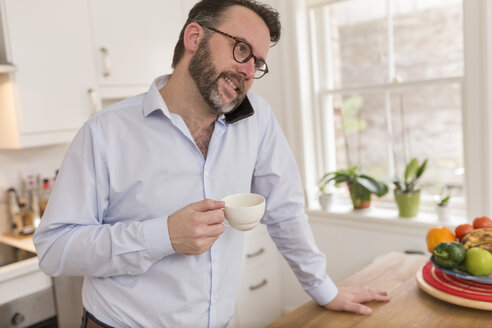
{"x":245,"y":24}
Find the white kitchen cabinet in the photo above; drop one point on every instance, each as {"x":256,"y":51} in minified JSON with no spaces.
{"x":46,"y":100}
{"x":350,"y":248}
{"x":134,"y":42}
{"x":258,"y":303}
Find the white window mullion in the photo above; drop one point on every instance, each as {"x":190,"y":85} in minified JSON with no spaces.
{"x":477,"y":107}
{"x":391,"y":78}
{"x":392,"y":86}
{"x":327,"y":105}
{"x":316,"y":68}
{"x":391,"y":42}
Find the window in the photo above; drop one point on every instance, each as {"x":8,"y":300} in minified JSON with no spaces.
{"x":387,"y":79}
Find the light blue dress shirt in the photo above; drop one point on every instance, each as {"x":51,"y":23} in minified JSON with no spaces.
{"x":130,"y":167}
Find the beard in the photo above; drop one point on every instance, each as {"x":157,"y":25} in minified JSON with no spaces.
{"x":202,"y":70}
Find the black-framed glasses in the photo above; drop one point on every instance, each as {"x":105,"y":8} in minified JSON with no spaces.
{"x":242,"y":52}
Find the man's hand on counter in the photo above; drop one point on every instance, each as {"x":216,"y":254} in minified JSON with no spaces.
{"x":350,"y":298}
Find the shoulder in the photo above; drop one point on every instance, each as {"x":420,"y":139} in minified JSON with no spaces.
{"x":262,"y":109}
{"x":127,"y":109}
{"x":258,"y":102}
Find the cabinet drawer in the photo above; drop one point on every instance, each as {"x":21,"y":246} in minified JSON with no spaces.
{"x":258,"y":249}
{"x":259,"y":303}
{"x":20,"y":279}
{"x":28,"y":310}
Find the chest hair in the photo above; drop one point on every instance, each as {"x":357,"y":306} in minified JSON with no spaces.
{"x":202,"y":138}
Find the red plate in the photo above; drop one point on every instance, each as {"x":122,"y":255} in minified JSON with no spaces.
{"x":456,"y":286}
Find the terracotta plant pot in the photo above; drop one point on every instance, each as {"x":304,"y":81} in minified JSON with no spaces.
{"x":359,"y":202}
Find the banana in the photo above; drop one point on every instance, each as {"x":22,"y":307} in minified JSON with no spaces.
{"x":478,"y":238}
{"x":486,"y":246}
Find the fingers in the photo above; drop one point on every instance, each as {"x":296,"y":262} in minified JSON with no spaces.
{"x":194,"y":228}
{"x":357,"y":308}
{"x":381,"y":296}
{"x":368,"y":294}
{"x":350,"y":299}
{"x":208,"y":205}
{"x":214,"y":230}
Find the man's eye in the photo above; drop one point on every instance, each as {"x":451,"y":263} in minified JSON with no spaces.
{"x":242,"y":48}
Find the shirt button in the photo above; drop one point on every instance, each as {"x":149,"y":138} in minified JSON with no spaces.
{"x":205,"y":173}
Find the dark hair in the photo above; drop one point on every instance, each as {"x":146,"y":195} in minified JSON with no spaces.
{"x":209,"y":13}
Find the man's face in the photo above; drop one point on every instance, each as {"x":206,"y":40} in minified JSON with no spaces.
{"x":220,"y":79}
{"x":206,"y":76}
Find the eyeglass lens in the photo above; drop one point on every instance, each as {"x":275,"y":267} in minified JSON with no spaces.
{"x":243,"y":53}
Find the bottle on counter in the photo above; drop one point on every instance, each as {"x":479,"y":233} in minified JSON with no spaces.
{"x":34,"y":209}
{"x":16,"y":221}
{"x":27,"y":226}
{"x":44,"y":194}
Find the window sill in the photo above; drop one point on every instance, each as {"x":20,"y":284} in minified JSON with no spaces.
{"x":380,"y":218}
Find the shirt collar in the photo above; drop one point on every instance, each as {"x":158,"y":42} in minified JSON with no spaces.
{"x":154,"y":101}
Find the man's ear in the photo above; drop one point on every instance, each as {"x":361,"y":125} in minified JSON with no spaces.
{"x":193,"y":34}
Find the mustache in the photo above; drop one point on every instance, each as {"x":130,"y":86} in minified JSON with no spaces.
{"x":234,"y":77}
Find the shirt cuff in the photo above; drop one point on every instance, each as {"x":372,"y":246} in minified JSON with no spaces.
{"x":325,"y":292}
{"x":157,"y":238}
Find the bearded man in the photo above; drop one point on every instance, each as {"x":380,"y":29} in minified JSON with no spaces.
{"x":136,"y":207}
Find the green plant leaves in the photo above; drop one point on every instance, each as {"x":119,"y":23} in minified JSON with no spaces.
{"x":411,"y":169}
{"x":363,"y":185}
{"x":413,"y":172}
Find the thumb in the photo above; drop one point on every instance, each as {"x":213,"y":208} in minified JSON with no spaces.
{"x":208,"y":205}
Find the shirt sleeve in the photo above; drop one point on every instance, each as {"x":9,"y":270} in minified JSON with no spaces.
{"x":277,"y":178}
{"x":73,"y":239}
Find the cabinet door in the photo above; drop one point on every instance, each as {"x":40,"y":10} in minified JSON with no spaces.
{"x":258,"y":302}
{"x":348,"y":248}
{"x":49,"y":42}
{"x":134,"y":40}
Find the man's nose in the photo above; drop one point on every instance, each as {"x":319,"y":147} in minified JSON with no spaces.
{"x":248,"y":68}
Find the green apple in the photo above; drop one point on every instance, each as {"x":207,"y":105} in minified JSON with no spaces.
{"x":478,"y":261}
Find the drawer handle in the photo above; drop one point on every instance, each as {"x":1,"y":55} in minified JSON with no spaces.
{"x":412,"y":251}
{"x":95,"y":100}
{"x":106,"y":71}
{"x":261,"y":284}
{"x":259,"y":252}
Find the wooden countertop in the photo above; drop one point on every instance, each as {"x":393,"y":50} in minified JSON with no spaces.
{"x":22,"y":242}
{"x":409,"y":305}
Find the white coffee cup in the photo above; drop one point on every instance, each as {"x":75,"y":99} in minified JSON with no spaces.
{"x":244,"y":211}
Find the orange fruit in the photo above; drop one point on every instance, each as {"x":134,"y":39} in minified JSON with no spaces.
{"x":438,"y":235}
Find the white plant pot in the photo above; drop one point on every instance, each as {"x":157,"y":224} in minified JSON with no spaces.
{"x":325,"y":201}
{"x":443,"y":213}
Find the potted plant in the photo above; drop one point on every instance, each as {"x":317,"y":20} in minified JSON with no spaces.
{"x":325,"y":198}
{"x":407,"y":195}
{"x":361,"y":186}
{"x":443,"y":209}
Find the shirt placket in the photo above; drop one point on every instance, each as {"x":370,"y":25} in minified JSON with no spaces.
{"x":211,"y":192}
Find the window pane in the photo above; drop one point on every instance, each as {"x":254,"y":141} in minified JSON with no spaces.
{"x":428,"y":39}
{"x":356,"y":47}
{"x":427,"y":123}
{"x":360,"y":133}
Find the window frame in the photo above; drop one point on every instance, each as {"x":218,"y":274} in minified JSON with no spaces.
{"x":476,"y":115}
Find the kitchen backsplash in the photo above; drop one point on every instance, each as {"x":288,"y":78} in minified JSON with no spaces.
{"x":16,"y":165}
